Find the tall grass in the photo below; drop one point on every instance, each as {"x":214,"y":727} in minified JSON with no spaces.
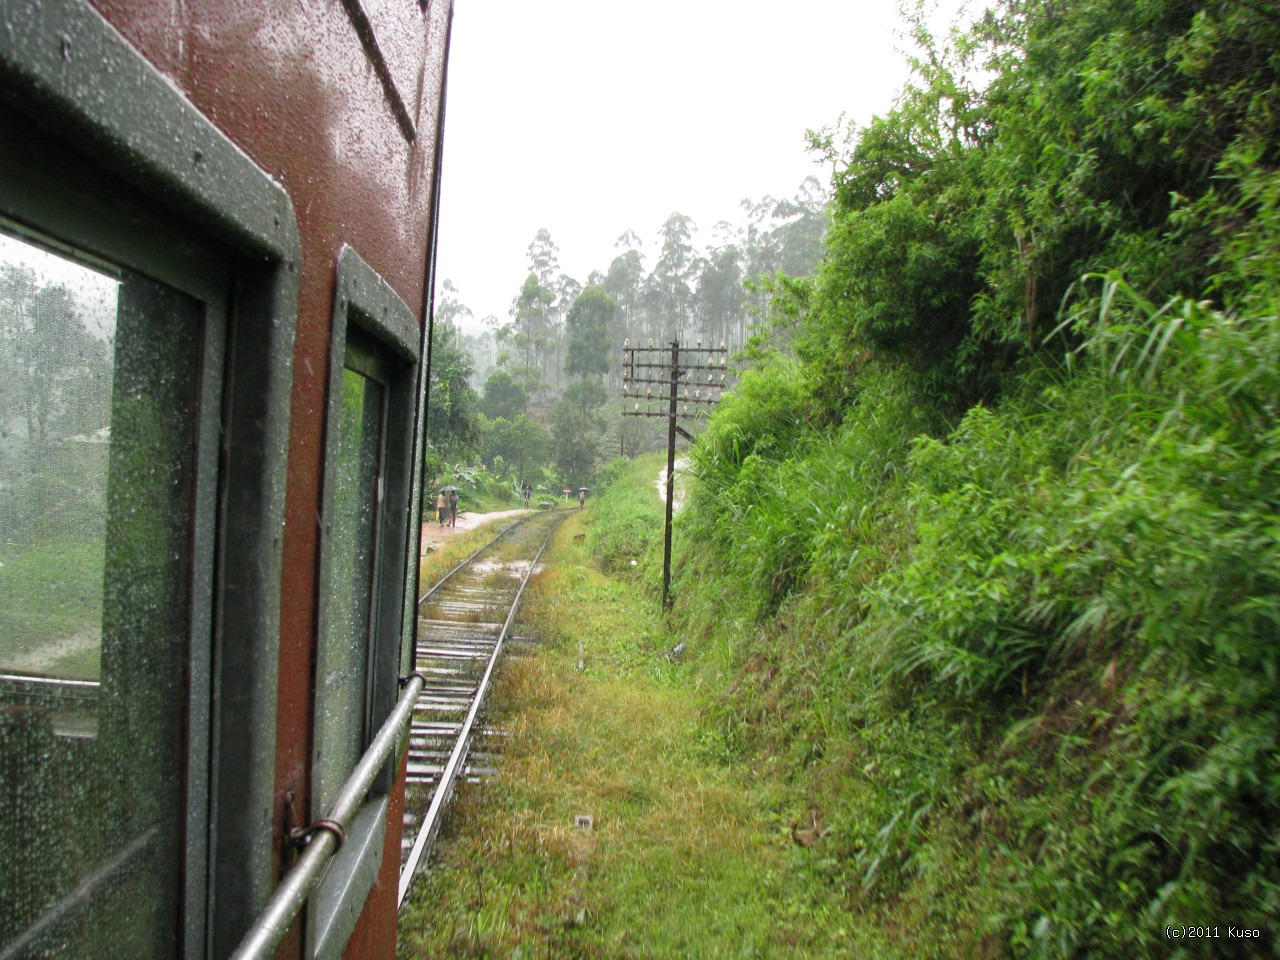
{"x":688,"y":853}
{"x":1034,"y":655}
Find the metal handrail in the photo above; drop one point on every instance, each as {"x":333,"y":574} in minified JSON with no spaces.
{"x":260,"y":941}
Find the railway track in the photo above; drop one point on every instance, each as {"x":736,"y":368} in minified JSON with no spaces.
{"x":464,"y":622}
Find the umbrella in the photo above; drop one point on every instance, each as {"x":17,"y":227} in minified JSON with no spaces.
{"x":584,"y":489}
{"x":448,"y":489}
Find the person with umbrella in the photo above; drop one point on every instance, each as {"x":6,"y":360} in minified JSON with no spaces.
{"x":442,"y":505}
{"x":582,"y":497}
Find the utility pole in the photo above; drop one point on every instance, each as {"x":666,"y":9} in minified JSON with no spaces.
{"x":646,"y":367}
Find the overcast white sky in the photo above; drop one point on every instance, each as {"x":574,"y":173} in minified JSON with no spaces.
{"x":591,"y":117}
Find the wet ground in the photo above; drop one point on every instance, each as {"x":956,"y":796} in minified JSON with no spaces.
{"x":433,"y":533}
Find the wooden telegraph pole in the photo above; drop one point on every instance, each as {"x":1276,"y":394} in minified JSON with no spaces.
{"x":643,"y":368}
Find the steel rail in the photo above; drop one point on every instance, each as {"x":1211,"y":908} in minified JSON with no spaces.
{"x":277,"y":916}
{"x":444,"y":786}
{"x":445,"y":579}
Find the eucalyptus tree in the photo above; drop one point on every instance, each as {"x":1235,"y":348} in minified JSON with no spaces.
{"x":670,"y":281}
{"x":800,"y":227}
{"x":589,"y":322}
{"x":482,"y":348}
{"x":557,"y":291}
{"x":625,"y":284}
{"x":449,"y":307}
{"x":544,"y":257}
{"x":721,"y":297}
{"x":587,"y":396}
{"x":566,"y":290}
{"x":529,"y":329}
{"x":451,"y":311}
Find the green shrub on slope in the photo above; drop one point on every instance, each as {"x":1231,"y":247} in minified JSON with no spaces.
{"x":1033,"y":655}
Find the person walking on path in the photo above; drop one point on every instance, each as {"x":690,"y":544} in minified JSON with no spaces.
{"x":442,"y":504}
{"x":453,"y":508}
{"x":582,"y":498}
{"x":528,"y":492}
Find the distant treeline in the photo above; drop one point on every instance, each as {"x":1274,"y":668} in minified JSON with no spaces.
{"x":527,"y":392}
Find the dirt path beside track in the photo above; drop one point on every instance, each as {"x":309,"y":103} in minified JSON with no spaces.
{"x":433,"y":533}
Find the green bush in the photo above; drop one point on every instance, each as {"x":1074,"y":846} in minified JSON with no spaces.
{"x":989,"y":571}
{"x":626,"y":518}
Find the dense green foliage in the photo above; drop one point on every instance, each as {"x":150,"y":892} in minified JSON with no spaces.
{"x":453,"y":426}
{"x":503,"y":397}
{"x":590,"y":347}
{"x":998,"y":524}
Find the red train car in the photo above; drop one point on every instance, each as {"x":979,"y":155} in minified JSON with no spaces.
{"x":217,"y":222}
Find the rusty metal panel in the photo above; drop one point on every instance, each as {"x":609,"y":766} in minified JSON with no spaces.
{"x":394,"y":37}
{"x":295,"y":85}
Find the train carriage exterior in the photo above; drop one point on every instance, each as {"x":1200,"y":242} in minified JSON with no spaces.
{"x":216,"y":240}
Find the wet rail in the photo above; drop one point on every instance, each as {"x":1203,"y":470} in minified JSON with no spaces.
{"x":464,"y":621}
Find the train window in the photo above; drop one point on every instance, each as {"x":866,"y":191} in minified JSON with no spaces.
{"x":147,"y":296}
{"x":99,"y":400}
{"x":352,"y":590}
{"x":369,"y":432}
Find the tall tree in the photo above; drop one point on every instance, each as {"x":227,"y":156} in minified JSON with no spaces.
{"x":515,"y":446}
{"x":672,"y":275}
{"x":590,"y":319}
{"x":56,"y":382}
{"x":566,"y":291}
{"x":587,"y":396}
{"x":529,"y":329}
{"x":449,"y":306}
{"x":720,"y":295}
{"x":574,"y":439}
{"x":503,"y":397}
{"x":544,"y":257}
{"x":453,"y":429}
{"x":625,"y":284}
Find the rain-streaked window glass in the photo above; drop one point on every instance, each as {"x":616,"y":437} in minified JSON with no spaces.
{"x":351,"y":563}
{"x":99,"y":372}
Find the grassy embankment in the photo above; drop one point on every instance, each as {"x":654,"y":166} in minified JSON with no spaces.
{"x":691,"y":851}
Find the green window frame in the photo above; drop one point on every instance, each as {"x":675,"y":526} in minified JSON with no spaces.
{"x":366,"y":567}
{"x":106,"y":160}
